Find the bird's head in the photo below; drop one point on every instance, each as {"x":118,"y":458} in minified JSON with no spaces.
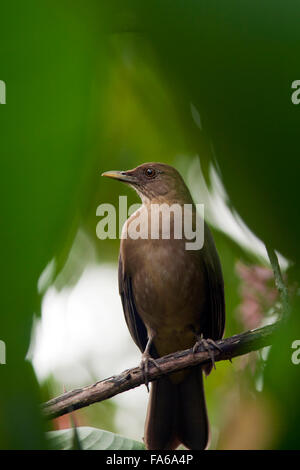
{"x":154,"y":181}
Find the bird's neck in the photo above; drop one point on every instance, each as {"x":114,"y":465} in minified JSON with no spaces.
{"x":169,"y":200}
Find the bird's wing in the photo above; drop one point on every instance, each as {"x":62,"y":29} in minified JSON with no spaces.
{"x":134,"y":322}
{"x":215,"y":321}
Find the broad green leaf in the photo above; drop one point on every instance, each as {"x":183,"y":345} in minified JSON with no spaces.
{"x":91,"y":439}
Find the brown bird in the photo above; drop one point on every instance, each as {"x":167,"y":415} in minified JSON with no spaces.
{"x":171,"y":298}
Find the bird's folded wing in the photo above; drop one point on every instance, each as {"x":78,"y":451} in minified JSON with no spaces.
{"x":215,"y":321}
{"x":134,"y":322}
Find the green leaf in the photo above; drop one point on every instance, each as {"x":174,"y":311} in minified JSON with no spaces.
{"x":91,"y":439}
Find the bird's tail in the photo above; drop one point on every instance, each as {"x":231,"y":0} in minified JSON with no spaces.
{"x":177,"y":414}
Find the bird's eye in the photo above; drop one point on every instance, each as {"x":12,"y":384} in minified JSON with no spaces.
{"x":150,"y":172}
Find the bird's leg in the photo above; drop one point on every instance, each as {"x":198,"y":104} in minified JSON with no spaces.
{"x":146,"y":358}
{"x":208,"y":344}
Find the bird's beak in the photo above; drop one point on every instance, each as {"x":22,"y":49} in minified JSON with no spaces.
{"x":124,"y":176}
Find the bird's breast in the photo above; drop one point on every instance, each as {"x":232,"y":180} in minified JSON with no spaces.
{"x":168,"y":288}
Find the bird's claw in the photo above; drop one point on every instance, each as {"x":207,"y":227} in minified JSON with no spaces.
{"x":144,"y":365}
{"x":209,"y":345}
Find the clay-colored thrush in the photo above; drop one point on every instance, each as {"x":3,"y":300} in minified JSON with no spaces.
{"x":171,"y":298}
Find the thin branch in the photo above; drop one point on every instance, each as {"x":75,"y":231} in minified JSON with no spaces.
{"x":279,"y":282}
{"x":229,"y":348}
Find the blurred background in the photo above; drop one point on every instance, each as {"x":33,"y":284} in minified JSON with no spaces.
{"x":95,"y":86}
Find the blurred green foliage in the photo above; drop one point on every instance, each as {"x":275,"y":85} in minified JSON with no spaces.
{"x":93,"y":87}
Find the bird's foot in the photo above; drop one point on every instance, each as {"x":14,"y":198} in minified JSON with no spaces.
{"x":209,"y":345}
{"x":144,"y":365}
